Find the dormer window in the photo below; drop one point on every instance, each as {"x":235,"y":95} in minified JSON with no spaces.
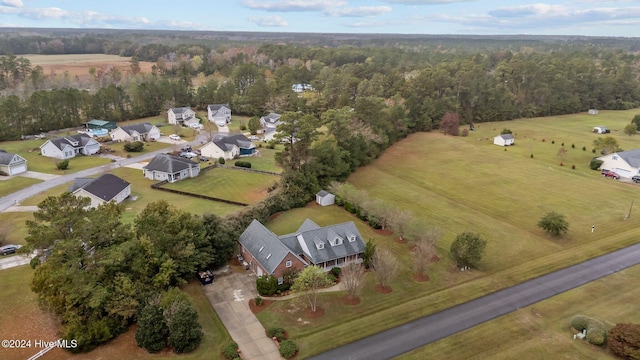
{"x":336,"y":241}
{"x":320,"y":245}
{"x":352,"y":238}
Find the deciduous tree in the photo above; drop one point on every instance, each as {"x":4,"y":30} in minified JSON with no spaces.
{"x":624,"y":340}
{"x":606,"y":145}
{"x":554,"y":224}
{"x":467,"y":249}
{"x":308,"y":283}
{"x":351,"y":279}
{"x":385,"y":266}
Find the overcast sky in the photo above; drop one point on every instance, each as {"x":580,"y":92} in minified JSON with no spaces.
{"x":552,"y":17}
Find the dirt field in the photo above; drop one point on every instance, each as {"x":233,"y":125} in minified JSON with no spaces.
{"x":79,"y":64}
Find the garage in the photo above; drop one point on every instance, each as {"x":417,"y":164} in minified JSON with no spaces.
{"x":12,"y":164}
{"x":623,"y":172}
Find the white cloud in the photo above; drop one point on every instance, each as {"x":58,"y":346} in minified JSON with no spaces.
{"x":294,"y":5}
{"x":12,"y":3}
{"x":44,"y":13}
{"x":362,"y":11}
{"x":425,"y":2}
{"x":269,"y":21}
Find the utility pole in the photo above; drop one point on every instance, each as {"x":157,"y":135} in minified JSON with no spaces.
{"x":630,"y":207}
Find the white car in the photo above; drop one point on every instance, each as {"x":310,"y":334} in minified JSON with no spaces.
{"x":253,"y":137}
{"x":197,"y":126}
{"x":174,"y":137}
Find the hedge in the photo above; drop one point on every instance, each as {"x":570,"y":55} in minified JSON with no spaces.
{"x":596,"y":329}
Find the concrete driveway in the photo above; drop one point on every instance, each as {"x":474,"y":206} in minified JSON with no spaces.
{"x":230,"y":294}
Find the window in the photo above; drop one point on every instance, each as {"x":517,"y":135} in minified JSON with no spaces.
{"x":261,"y":248}
{"x":288,"y":263}
{"x":280,"y":280}
{"x":352,"y":238}
{"x":320,"y":245}
{"x":615,"y":157}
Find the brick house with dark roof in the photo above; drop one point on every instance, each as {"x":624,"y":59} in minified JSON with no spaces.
{"x":327,"y":247}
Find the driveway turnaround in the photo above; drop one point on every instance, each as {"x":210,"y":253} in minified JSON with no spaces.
{"x":229,"y":295}
{"x":423,"y":331}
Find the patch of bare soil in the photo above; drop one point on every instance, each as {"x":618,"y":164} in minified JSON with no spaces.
{"x":274,"y":216}
{"x":383,"y":289}
{"x":313,"y":314}
{"x":421,"y":278}
{"x":401,"y":241}
{"x":33,"y":325}
{"x":351,"y":300}
{"x":257,"y":308}
{"x":434,"y":258}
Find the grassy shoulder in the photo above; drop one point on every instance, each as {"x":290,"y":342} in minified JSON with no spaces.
{"x":15,"y":183}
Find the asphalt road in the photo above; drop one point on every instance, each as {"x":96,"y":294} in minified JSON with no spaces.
{"x":423,"y":331}
{"x":11,"y":199}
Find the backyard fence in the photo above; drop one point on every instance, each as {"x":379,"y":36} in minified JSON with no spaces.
{"x":158,"y":186}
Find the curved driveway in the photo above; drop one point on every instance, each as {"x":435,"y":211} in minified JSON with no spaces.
{"x":423,"y":331}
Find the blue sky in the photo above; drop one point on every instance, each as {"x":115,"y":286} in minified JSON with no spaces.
{"x":551,"y":17}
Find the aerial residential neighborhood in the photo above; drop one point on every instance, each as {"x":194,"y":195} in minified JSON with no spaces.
{"x":251,"y":195}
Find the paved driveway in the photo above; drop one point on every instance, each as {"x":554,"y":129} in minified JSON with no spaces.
{"x":229,"y":295}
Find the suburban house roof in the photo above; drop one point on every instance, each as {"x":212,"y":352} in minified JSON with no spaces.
{"x":632,"y":157}
{"x":169,"y":164}
{"x":318,"y":244}
{"x":323,"y":193}
{"x":272,"y":118}
{"x":179,"y":110}
{"x":76,"y":141}
{"x":7,"y":158}
{"x":506,"y":136}
{"x":105,"y":186}
{"x":225,"y":142}
{"x":264,"y":246}
{"x":142,"y":128}
{"x":216,"y":107}
{"x":98,"y":122}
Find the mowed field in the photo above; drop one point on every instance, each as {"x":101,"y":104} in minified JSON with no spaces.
{"x":468,"y":184}
{"x":79,"y":64}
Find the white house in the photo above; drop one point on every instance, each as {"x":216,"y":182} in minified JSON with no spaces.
{"x":325,"y":198}
{"x":219,"y":114}
{"x":228,"y":147}
{"x":170,"y":168}
{"x":12,"y":164}
{"x":136,"y":132}
{"x":624,"y":163}
{"x":69,"y":146}
{"x":101,"y":190}
{"x":182,"y":116}
{"x":504,"y":140}
{"x":269,"y":125}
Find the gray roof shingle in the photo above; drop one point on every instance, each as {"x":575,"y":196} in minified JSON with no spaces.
{"x":105,"y":186}
{"x":169,"y":164}
{"x":142,"y":128}
{"x":632,"y":157}
{"x":6,"y":157}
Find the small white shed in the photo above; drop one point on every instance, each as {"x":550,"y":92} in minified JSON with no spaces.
{"x":600,"y":130}
{"x":325,"y":198}
{"x":504,"y":140}
{"x":593,"y":111}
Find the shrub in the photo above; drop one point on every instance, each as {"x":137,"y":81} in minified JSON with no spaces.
{"x":258,"y":300}
{"x":336,"y":271}
{"x":34,"y":262}
{"x":243,"y":127}
{"x":63,"y":165}
{"x":349,"y":207}
{"x":542,"y":140}
{"x":593,"y":151}
{"x":624,"y":340}
{"x":244,"y":164}
{"x":277,"y":332}
{"x":221,"y":161}
{"x":465,"y":132}
{"x":331,"y":279}
{"x":584,"y":148}
{"x":361,"y":214}
{"x":596,"y":329}
{"x":561,"y":164}
{"x":339,"y":200}
{"x":553,"y":141}
{"x":573,"y":146}
{"x":136,"y":146}
{"x":266,"y":285}
{"x":230,"y":351}
{"x":288,"y":349}
{"x":595,"y":164}
{"x":562,"y":144}
{"x":506,"y":131}
{"x":573,"y":166}
{"x":531,"y":156}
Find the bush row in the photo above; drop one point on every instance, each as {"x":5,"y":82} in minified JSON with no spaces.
{"x":596,"y":329}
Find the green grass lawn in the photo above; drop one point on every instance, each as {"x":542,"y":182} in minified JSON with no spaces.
{"x":235,"y":185}
{"x":468,"y":184}
{"x":118,"y":148}
{"x":29,"y":149}
{"x":14,"y":225}
{"x":265,"y":160}
{"x":14,"y":184}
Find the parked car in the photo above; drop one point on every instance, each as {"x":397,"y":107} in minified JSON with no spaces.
{"x":610,"y":174}
{"x":253,"y":137}
{"x":203,"y":158}
{"x":188,"y":155}
{"x":197,"y":126}
{"x":174,"y":137}
{"x":186,"y":148}
{"x":9,"y":249}
{"x":635,"y":178}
